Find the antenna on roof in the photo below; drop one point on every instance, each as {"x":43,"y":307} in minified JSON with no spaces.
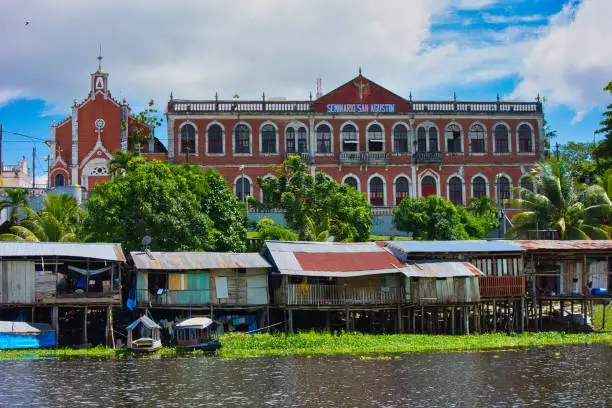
{"x":319,"y":87}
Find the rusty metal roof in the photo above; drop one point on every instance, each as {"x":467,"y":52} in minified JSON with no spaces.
{"x":456,"y":246}
{"x":331,"y":259}
{"x":185,"y":261}
{"x":556,"y":245}
{"x":445,"y":269}
{"x":107,"y":252}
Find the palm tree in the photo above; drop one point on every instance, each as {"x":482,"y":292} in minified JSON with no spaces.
{"x":18,"y":200}
{"x":56,"y":222}
{"x":558,"y":205}
{"x":120,"y":161}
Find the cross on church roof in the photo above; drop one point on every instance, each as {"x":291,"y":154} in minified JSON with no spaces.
{"x":99,"y":58}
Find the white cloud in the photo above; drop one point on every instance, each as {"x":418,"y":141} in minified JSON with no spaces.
{"x":475,"y":4}
{"x":7,"y":95}
{"x":572,"y":61}
{"x":512,"y":19}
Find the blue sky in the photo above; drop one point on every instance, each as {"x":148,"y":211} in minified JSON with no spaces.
{"x":432,"y":48}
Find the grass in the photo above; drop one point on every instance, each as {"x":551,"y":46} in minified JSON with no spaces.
{"x":597,"y":318}
{"x":317,"y":343}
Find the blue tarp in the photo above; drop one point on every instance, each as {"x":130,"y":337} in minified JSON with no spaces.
{"x":26,"y":341}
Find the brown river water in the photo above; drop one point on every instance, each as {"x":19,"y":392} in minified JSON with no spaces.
{"x":579,"y":376}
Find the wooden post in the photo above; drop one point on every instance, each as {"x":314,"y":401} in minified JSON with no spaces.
{"x":445,"y":311}
{"x":85,"y":310}
{"x":603,"y":323}
{"x":290,"y":311}
{"x":422,"y":319}
{"x":522,"y":324}
{"x":466,"y":319}
{"x":55,"y":322}
{"x":413,"y":320}
{"x":33,"y":313}
{"x":399,"y":328}
{"x":212,"y":311}
{"x":494,"y":316}
{"x":584,"y":310}
{"x":327,"y":320}
{"x":346,"y":309}
{"x":453,"y":320}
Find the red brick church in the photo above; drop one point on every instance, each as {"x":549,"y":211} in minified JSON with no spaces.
{"x":83,"y":144}
{"x":366,"y":136}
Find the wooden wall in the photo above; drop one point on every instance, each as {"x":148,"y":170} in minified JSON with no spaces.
{"x":18,"y":282}
{"x":455,"y":290}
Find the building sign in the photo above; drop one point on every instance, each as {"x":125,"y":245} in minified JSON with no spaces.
{"x":361,"y":108}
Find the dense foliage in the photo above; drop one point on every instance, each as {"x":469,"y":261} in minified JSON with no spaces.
{"x":604,"y":148}
{"x":57,"y":221}
{"x":316,"y":206}
{"x":559,"y":205}
{"x":435,"y":219}
{"x":267,"y":230}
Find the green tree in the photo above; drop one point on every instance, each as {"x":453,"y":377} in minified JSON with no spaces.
{"x":558,"y":205}
{"x":309,"y":201}
{"x":142,"y":126}
{"x":57,"y":221}
{"x":433,"y":219}
{"x":151,"y":199}
{"x":485,"y":211}
{"x":267,"y":230}
{"x":121,"y":161}
{"x":17,"y":202}
{"x":604,"y":148}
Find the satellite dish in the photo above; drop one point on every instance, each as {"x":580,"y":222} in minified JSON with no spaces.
{"x":146,"y":240}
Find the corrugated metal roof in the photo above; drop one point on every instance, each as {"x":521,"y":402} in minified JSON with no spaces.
{"x":146,"y":321}
{"x":456,"y":246}
{"x":108,"y":252}
{"x":330,"y":259}
{"x":445,"y":269}
{"x":184,"y":261}
{"x":550,"y":245}
{"x":24,"y":327}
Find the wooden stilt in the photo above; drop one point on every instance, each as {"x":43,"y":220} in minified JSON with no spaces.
{"x":399,"y":320}
{"x":55,"y":323}
{"x":453,"y":310}
{"x":466,"y":319}
{"x":603,"y":323}
{"x":85,"y":312}
{"x":327,"y":320}
{"x":522,"y":327}
{"x":412,"y":320}
{"x":494,"y":316}
{"x":290,"y":320}
{"x":422,"y":320}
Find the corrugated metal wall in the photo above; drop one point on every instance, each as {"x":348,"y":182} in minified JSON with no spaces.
{"x":455,"y":290}
{"x":18,"y":282}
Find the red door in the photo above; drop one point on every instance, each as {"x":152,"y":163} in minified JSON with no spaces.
{"x":428,"y":186}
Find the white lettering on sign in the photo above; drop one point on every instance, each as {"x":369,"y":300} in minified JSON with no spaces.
{"x":361,"y":108}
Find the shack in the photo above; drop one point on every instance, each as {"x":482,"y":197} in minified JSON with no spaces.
{"x":72,"y":286}
{"x":356,"y":286}
{"x":22,"y":335}
{"x":231,"y":287}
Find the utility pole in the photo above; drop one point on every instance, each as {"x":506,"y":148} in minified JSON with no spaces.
{"x":48,"y":171}
{"x":34,"y":167}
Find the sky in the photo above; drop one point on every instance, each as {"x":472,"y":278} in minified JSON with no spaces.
{"x":432,"y":48}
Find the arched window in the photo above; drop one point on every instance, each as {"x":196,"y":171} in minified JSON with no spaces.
{"x":433,"y":139}
{"x":455,"y":191}
{"x":290,"y":140}
{"x":503,"y":185}
{"x":268,"y":139}
{"x":323,"y":139}
{"x":400,"y":139}
{"x":376,"y":138}
{"x":477,"y":139}
{"x":502,"y":144}
{"x":402,"y":189}
{"x":351,"y":181}
{"x":215,"y":139}
{"x":302,"y":140}
{"x":377,"y":191}
{"x":524,"y":139}
{"x":242,"y":143}
{"x":453,"y":139}
{"x":428,"y":186}
{"x":188,"y":139}
{"x":59,"y":180}
{"x":527,"y":183}
{"x":479,"y":187}
{"x":422,"y":140}
{"x":349,"y":138}
{"x":243,"y":188}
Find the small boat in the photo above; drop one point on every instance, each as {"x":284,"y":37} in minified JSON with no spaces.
{"x":196,"y":333}
{"x":150,"y":338}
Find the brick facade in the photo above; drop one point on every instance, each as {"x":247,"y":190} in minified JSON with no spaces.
{"x":383,"y":140}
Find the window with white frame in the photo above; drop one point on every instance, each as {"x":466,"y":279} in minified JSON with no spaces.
{"x":502,"y":139}
{"x":302,"y":140}
{"x":376,"y":138}
{"x":242,"y":144}
{"x":433,"y":140}
{"x":400,"y":139}
{"x":243,"y":188}
{"x":503,"y":185}
{"x":290,"y":141}
{"x":352,"y":182}
{"x":349,"y":138}
{"x":477,"y":139}
{"x":377,"y":191}
{"x":455,"y":190}
{"x":323,"y":139}
{"x":268,"y":139}
{"x":453,"y":139}
{"x":188,"y":139}
{"x":524,"y":139}
{"x":215,"y":139}
{"x":402,"y":189}
{"x":421,"y":139}
{"x":479,"y":187}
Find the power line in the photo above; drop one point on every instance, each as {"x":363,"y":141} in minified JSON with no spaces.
{"x":27,"y":136}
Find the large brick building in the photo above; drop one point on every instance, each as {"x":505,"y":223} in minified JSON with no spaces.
{"x":365,"y":135}
{"x":82,"y":144}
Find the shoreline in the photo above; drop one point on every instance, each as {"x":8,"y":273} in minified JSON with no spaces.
{"x":239,"y":346}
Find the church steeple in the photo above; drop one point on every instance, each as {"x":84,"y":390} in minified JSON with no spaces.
{"x":99,"y":79}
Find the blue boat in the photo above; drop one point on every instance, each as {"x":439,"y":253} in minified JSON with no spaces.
{"x":22,"y":335}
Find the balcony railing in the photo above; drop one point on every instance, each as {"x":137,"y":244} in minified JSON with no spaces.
{"x":427,"y":157}
{"x":334,"y":295}
{"x":305,"y":156}
{"x":364,"y":157}
{"x":502,"y":286}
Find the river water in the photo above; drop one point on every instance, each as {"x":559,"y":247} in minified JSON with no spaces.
{"x":578,"y":376}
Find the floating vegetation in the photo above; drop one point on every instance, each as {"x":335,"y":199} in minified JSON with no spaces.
{"x":310,"y":344}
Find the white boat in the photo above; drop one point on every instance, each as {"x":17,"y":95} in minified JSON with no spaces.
{"x":150,"y":335}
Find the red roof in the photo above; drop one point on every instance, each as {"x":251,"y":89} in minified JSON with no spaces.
{"x":346,"y":261}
